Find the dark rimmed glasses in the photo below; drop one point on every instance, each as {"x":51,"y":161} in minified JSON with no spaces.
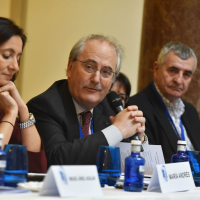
{"x":123,"y":97}
{"x":105,"y":72}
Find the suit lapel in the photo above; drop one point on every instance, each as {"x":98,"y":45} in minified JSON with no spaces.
{"x":100,"y":121}
{"x":162,"y":118}
{"x":71,"y":116}
{"x":191,"y":128}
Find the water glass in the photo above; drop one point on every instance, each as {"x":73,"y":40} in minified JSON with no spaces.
{"x":17,"y":165}
{"x":108,"y":165}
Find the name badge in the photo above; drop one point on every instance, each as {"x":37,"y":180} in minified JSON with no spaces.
{"x":77,"y":180}
{"x":171,"y":177}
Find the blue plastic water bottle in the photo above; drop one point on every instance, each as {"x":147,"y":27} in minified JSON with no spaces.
{"x":134,"y":169}
{"x":2,"y":162}
{"x":180,"y":156}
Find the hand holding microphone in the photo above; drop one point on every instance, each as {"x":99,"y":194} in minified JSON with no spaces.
{"x":129,"y":121}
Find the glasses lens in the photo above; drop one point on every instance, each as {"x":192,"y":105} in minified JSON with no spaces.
{"x":127,"y":98}
{"x":88,"y":67}
{"x":106,"y":73}
{"x":124,"y":97}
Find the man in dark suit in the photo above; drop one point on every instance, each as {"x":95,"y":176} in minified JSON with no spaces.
{"x":168,"y":118}
{"x":61,"y":112}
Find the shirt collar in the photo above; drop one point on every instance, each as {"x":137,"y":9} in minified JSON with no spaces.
{"x":175,"y":109}
{"x":80,"y":109}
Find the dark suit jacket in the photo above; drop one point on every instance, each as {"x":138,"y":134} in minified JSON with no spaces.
{"x":158,"y":128}
{"x":57,"y":123}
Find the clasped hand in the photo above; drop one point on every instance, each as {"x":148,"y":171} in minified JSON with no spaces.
{"x":130,"y":121}
{"x":10,"y":100}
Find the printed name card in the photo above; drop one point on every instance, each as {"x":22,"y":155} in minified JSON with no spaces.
{"x":171,"y":177}
{"x":77,"y":180}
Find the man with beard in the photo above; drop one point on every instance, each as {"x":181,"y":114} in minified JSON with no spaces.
{"x":168,"y":118}
{"x":69,"y":116}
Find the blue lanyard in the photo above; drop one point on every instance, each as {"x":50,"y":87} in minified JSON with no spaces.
{"x":182,"y":130}
{"x":81,"y":132}
{"x":168,"y":115}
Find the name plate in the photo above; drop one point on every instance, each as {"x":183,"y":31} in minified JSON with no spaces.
{"x":77,"y":180}
{"x":171,"y":177}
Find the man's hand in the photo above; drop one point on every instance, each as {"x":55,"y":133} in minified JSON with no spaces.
{"x":130,"y":121}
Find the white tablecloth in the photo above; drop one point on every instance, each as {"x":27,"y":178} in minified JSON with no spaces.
{"x":111,"y":193}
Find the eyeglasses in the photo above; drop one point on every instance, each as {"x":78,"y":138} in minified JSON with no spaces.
{"x":105,"y":71}
{"x":123,"y":97}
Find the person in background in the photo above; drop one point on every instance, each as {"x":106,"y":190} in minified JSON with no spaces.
{"x":12,"y":107}
{"x":71,"y":117}
{"x":122,"y":87}
{"x":168,"y":118}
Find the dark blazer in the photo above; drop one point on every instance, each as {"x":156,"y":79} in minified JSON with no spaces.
{"x":57,"y":123}
{"x":158,"y":128}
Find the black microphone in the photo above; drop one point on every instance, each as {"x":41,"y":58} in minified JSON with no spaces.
{"x":116,"y":104}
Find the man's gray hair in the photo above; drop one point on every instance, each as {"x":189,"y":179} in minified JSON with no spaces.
{"x":79,"y":46}
{"x":182,"y":50}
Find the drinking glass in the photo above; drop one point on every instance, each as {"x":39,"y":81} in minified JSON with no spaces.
{"x":17,"y":164}
{"x":108,"y":165}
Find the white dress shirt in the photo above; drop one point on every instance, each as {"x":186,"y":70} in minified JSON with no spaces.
{"x":176,"y":110}
{"x":111,"y":133}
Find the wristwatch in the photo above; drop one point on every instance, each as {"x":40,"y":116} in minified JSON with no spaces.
{"x":28,"y":123}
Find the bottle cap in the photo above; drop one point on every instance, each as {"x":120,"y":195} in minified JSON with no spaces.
{"x":181,"y":142}
{"x":136,"y":142}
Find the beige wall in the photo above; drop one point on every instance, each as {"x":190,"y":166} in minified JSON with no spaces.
{"x":5,"y":6}
{"x":53,"y":27}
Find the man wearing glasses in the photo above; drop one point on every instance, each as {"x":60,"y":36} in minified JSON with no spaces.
{"x":70,"y":118}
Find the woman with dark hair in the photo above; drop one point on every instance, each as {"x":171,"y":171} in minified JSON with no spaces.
{"x":22,"y":130}
{"x":122,"y":87}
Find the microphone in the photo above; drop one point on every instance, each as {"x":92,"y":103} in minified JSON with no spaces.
{"x":116,"y":104}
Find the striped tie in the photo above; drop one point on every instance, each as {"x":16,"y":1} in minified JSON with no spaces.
{"x":86,"y":116}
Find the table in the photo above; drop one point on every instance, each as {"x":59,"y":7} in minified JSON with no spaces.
{"x":111,"y":193}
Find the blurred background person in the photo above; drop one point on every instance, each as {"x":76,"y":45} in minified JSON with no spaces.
{"x":122,"y":87}
{"x":20,"y":131}
{"x":168,"y":117}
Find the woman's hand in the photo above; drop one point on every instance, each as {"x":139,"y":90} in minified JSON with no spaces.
{"x":30,"y":133}
{"x":10,"y":109}
{"x":7,"y":103}
{"x":22,"y":108}
{"x":11,"y":88}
